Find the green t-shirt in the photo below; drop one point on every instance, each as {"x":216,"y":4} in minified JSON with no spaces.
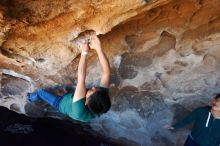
{"x":77,"y":110}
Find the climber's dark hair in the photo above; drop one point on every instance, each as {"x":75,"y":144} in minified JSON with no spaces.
{"x":99,"y":102}
{"x":217,"y":96}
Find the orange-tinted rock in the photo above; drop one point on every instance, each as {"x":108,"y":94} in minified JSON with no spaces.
{"x":164,"y":54}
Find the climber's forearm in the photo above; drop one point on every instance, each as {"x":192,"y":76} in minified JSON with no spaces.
{"x":106,"y":71}
{"x":80,"y":91}
{"x":82,"y":68}
{"x":104,"y":62}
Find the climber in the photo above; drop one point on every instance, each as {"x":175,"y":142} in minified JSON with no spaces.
{"x":206,"y":125}
{"x":83,"y":104}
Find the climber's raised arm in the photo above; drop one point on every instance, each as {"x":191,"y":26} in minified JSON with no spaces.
{"x":106,"y":71}
{"x":80,"y":91}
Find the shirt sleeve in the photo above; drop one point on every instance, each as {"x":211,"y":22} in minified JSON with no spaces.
{"x":80,"y":111}
{"x":188,"y":119}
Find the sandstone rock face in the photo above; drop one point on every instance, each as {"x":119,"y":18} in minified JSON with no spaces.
{"x":41,"y":31}
{"x":164,"y":56}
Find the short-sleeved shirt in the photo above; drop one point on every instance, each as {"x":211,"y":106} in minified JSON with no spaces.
{"x":77,"y":110}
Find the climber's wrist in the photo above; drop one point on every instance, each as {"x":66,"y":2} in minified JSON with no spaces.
{"x":99,"y":48}
{"x":84,"y":53}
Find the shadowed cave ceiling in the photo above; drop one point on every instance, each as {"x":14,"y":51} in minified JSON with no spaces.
{"x":164,"y":56}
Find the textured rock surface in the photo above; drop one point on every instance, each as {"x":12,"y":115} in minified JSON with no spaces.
{"x":17,"y":129}
{"x":164,"y":55}
{"x":40,"y":31}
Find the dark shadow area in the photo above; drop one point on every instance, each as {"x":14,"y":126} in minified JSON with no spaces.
{"x":20,"y":130}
